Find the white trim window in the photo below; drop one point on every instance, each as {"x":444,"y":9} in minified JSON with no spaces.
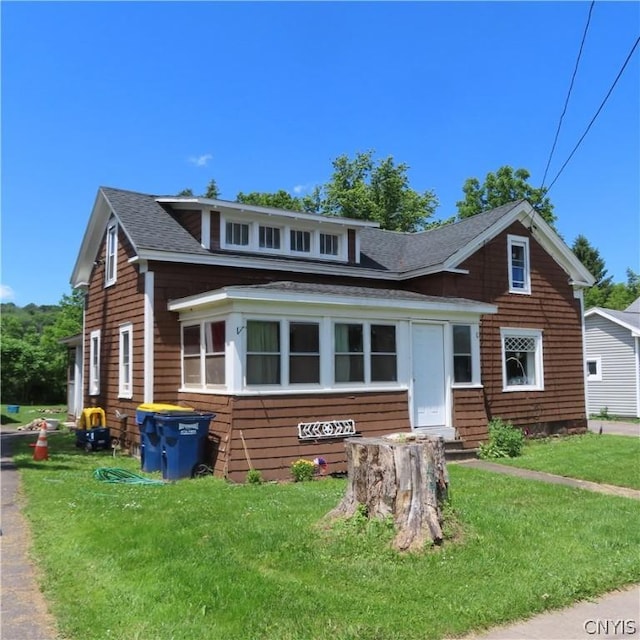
{"x":329,"y":244}
{"x":125,"y":362}
{"x":519,"y":267}
{"x":522,"y":360}
{"x":111,"y":260}
{"x":263,"y":352}
{"x":304,"y":352}
{"x":203,"y":354}
{"x":466,"y":354}
{"x":94,"y":363}
{"x":364,"y":352}
{"x":594,"y":369}
{"x":268,"y":237}
{"x":300,"y":241}
{"x":237,"y":234}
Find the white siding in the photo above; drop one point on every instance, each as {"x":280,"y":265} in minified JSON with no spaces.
{"x":617,"y":391}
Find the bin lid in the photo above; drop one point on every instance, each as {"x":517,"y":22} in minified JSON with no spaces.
{"x":159,"y":407}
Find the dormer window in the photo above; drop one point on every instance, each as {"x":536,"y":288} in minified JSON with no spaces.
{"x":300,"y":241}
{"x":269,"y":237}
{"x":237,"y":234}
{"x":328,"y":244}
{"x":519,"y":269}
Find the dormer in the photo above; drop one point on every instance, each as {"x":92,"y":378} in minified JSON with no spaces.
{"x":238,"y":227}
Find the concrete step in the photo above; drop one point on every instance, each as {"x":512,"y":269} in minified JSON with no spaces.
{"x":454,"y":450}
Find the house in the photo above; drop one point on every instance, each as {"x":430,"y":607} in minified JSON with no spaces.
{"x":612,"y":341}
{"x":297,"y":330}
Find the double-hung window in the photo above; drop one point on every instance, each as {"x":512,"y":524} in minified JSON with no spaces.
{"x":594,"y":369}
{"x":519,"y":268}
{"x":203,"y":354}
{"x":349,"y":352}
{"x":263,"y":352}
{"x":111,"y":263}
{"x":304,"y":353}
{"x":462,"y":354}
{"x":522,"y":359}
{"x":125,"y":387}
{"x":94,"y":363}
{"x":383,"y":353}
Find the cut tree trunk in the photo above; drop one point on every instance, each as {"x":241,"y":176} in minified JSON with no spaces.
{"x":403,"y":478}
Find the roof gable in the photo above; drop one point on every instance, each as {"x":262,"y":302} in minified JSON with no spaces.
{"x":626,"y":319}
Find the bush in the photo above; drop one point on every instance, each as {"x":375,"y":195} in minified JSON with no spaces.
{"x":505,"y":441}
{"x":302,"y":470}
{"x":254,"y":476}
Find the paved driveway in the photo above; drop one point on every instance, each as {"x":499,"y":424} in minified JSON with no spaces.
{"x":615,"y":428}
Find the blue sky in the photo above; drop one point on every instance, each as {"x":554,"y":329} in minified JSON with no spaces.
{"x":159,"y":96}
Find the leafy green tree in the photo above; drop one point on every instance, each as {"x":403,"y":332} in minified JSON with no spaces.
{"x":597,"y":295}
{"x":278,"y":200}
{"x":212,"y":192}
{"x":502,"y":187}
{"x":621,"y":295}
{"x":364,"y":189}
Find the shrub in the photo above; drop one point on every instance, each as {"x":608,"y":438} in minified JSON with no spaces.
{"x":302,"y":470}
{"x":505,"y":441}
{"x":254,"y":476}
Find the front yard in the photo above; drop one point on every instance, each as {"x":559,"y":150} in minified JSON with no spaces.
{"x":605,"y":459}
{"x":206,"y":559}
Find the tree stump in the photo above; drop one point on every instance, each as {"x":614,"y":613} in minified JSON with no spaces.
{"x":404,"y":477}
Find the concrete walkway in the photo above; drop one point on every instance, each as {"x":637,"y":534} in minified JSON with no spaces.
{"x":23,"y":610}
{"x":551,"y":478}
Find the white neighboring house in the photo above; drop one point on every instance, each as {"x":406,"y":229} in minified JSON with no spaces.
{"x":612,"y":340}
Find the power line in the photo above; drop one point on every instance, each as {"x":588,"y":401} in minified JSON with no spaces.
{"x":633,"y":48}
{"x":566,"y":102}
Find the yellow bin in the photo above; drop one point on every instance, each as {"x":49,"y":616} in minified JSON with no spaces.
{"x":92,"y":417}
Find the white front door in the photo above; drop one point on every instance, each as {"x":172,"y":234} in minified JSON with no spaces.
{"x":429,"y":397}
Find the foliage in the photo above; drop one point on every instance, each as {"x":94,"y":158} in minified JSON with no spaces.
{"x":212,"y":192}
{"x":502,"y":187}
{"x":278,"y":200}
{"x":33,"y":360}
{"x":364,"y":189}
{"x":303,"y":470}
{"x":210,"y":559}
{"x":505,"y":441}
{"x":254,"y":476}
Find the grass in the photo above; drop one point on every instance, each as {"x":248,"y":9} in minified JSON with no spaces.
{"x":206,"y":559}
{"x":30,"y":412}
{"x":605,"y":459}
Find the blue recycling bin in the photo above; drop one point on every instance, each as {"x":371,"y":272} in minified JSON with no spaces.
{"x":182,"y":437}
{"x":150,"y":445}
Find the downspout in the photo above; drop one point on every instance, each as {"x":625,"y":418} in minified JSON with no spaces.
{"x":149,"y":322}
{"x":579,"y":294}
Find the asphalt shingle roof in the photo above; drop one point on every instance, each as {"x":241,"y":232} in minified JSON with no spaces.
{"x":151,"y":227}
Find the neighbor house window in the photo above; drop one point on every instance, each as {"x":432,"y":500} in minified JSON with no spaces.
{"x":304,"y":352}
{"x":237,"y":233}
{"x":349,"y":353}
{"x":111,"y":264}
{"x":328,"y":244}
{"x":519,"y":276}
{"x":383,"y":353}
{"x":203,"y":360}
{"x":94,"y":363}
{"x":594,"y":369}
{"x":269,"y":237}
{"x":462,"y":355}
{"x":263,"y":352}
{"x":522,"y":359}
{"x":300,"y":241}
{"x":125,"y":389}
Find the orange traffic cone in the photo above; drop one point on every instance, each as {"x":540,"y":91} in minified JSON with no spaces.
{"x":41,"y":449}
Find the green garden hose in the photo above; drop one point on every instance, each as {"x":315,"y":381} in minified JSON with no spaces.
{"x":122,"y":476}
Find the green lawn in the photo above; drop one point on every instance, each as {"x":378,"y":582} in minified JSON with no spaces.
{"x":27,"y":413}
{"x":599,"y":458}
{"x":206,"y":559}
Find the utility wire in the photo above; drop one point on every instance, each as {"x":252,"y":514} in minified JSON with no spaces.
{"x":566,"y":102}
{"x":633,"y":48}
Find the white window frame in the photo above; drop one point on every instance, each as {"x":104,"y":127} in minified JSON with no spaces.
{"x":202,"y":355}
{"x":523,"y":242}
{"x":537,"y":335}
{"x":301,"y":251}
{"x":240,"y":225}
{"x":125,"y":362}
{"x":111,"y":254}
{"x":333,"y":240}
{"x":597,"y":376}
{"x":275,"y":230}
{"x":94,"y":362}
{"x":474,"y":330}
